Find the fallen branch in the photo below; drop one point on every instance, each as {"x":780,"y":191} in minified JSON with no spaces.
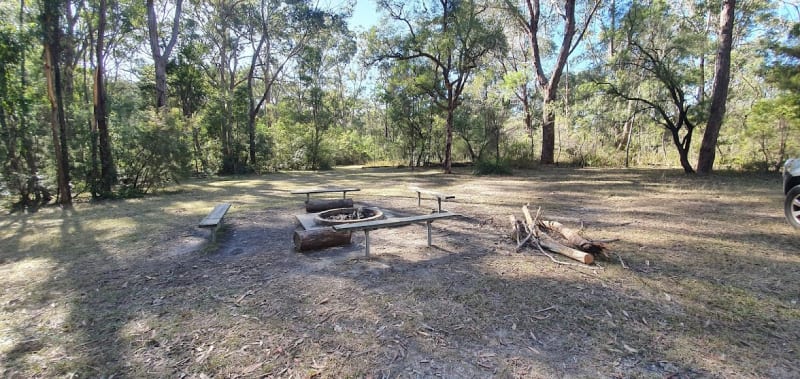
{"x":556,"y":261}
{"x":574,"y":239}
{"x":547,"y":242}
{"x":554,"y":237}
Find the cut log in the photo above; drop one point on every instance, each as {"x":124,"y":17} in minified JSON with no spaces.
{"x":574,"y":239}
{"x":551,"y":244}
{"x":315,"y":239}
{"x":319,"y":205}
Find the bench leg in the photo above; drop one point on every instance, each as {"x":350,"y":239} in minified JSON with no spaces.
{"x":419,"y":199}
{"x":366,"y":242}
{"x":440,"y":204}
{"x":429,"y":233}
{"x":214,"y":231}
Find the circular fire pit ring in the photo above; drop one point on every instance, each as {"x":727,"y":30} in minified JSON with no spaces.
{"x":340,"y":216}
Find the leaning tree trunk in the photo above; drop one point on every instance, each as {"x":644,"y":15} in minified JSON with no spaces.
{"x":719,"y":95}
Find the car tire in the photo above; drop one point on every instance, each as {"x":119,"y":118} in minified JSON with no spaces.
{"x":792,"y":206}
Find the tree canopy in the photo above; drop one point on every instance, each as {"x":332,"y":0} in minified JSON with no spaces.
{"x":115,"y":98}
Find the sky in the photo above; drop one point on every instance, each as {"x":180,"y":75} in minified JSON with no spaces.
{"x":365,"y":15}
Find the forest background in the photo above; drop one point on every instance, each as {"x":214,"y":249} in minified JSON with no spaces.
{"x":115,"y":98}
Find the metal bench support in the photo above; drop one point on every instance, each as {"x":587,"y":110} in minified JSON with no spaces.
{"x":366,"y":242}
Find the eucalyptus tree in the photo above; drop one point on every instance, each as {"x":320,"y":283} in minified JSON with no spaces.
{"x":719,"y":92}
{"x":533,"y":19}
{"x":223,"y":31}
{"x":664,"y":61}
{"x":454,"y":36}
{"x":50,"y":21}
{"x":161,"y":50}
{"x":189,"y":84}
{"x":480,"y":121}
{"x":279,"y":32}
{"x":101,"y":139}
{"x":409,"y":110}
{"x":517,"y":76}
{"x":74,"y":43}
{"x":331,"y":46}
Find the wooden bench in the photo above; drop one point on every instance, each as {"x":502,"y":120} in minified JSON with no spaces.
{"x":308,"y":192}
{"x":437,"y":195}
{"x":214,"y":219}
{"x":368,"y":226}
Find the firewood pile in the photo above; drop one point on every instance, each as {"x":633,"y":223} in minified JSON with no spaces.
{"x":552,"y":236}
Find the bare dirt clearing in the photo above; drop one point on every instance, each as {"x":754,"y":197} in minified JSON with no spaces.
{"x":710,"y":285}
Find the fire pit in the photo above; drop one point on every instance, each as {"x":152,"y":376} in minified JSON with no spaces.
{"x":340,"y":216}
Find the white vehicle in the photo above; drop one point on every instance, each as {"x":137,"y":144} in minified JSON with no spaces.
{"x":791,"y":187}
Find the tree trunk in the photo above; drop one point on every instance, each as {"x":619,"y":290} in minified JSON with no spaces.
{"x":549,"y":86}
{"x":448,"y":139}
{"x":548,"y":133}
{"x":58,"y":122}
{"x":160,"y":58}
{"x":69,"y":56}
{"x":719,"y":95}
{"x":683,"y":148}
{"x":254,"y":106}
{"x":107,"y":169}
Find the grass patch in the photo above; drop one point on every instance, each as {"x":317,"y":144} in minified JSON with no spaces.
{"x":131,"y":288}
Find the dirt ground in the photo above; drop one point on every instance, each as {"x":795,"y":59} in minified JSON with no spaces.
{"x":703,"y":282}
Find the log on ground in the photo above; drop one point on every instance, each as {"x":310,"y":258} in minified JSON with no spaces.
{"x":319,"y":205}
{"x":574,"y":239}
{"x":315,"y":239}
{"x":551,"y":244}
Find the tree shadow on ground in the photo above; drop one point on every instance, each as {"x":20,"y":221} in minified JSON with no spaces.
{"x":149,"y":297}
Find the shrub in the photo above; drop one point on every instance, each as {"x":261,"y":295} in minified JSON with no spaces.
{"x":492,"y":167}
{"x":152,"y":153}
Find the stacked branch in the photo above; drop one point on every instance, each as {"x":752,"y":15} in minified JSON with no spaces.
{"x":554,"y":237}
